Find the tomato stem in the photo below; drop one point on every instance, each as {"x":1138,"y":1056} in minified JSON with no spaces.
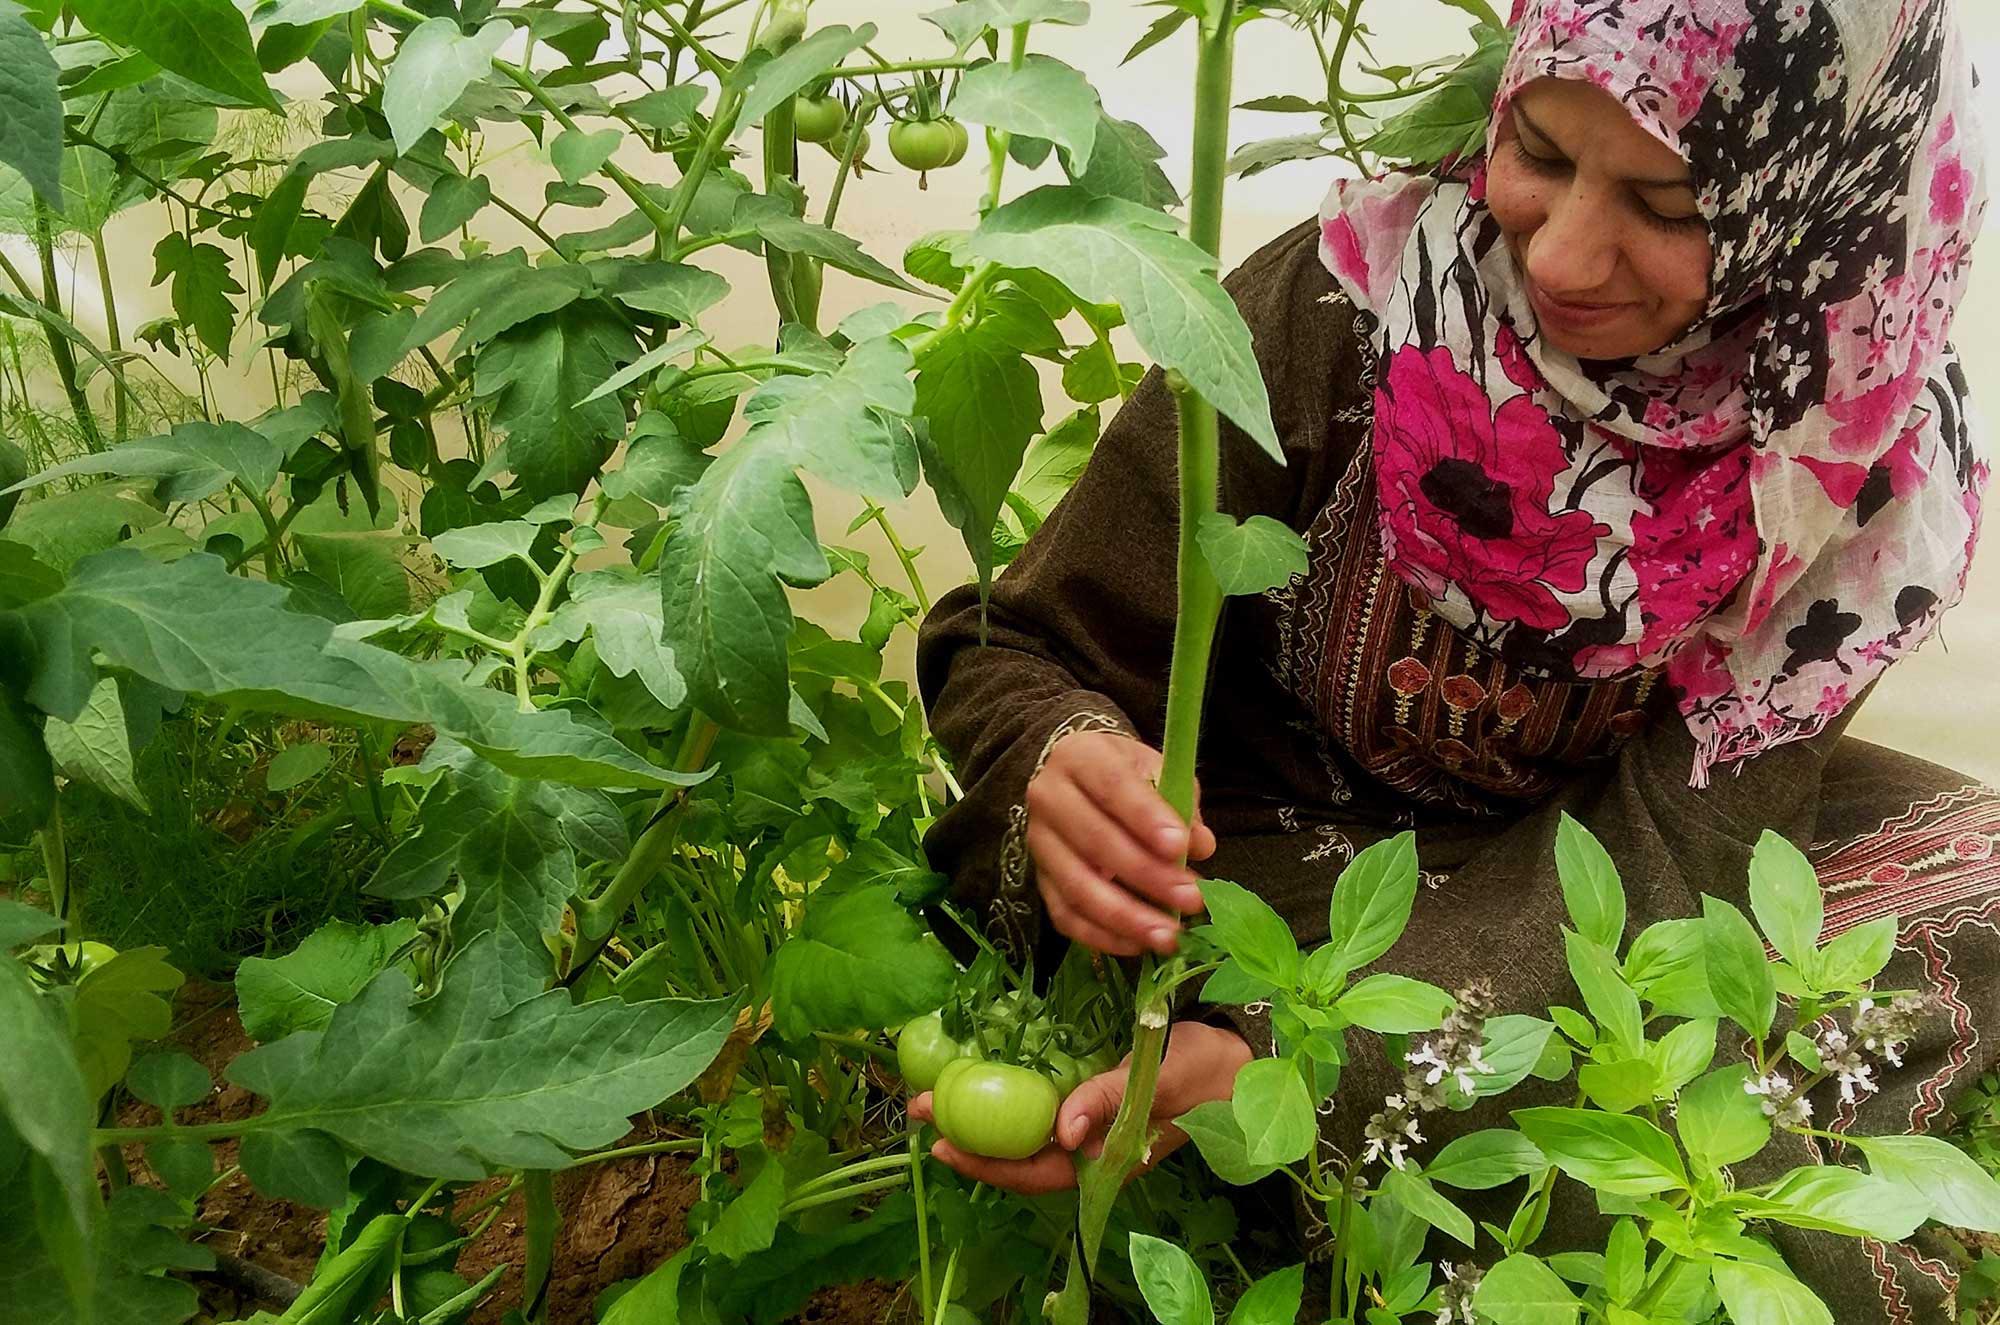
{"x":1130,"y":1137}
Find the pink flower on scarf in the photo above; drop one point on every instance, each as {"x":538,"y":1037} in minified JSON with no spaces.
{"x":1512,"y":352}
{"x":1950,"y":187}
{"x":1696,"y":543}
{"x":1466,"y":492}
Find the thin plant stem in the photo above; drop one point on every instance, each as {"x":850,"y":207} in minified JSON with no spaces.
{"x":923,"y":1224}
{"x":121,"y":407}
{"x":59,"y":346}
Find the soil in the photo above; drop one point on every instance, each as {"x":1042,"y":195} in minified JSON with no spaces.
{"x":620,"y":1219}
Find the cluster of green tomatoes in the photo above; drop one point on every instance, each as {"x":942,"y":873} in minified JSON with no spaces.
{"x":917,"y":144}
{"x":998,"y":1073}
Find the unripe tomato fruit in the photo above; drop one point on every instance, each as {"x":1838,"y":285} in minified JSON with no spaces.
{"x":961,"y":139}
{"x":922,"y":1051}
{"x":838,"y":144}
{"x":921,"y":144}
{"x":818,"y":119}
{"x":994,"y":1109}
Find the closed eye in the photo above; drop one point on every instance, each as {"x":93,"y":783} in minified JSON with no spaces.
{"x":1556,"y":167}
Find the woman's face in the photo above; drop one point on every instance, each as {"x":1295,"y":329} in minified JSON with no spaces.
{"x":1601,"y":217}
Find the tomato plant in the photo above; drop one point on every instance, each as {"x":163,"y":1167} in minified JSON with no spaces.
{"x":922,"y":144}
{"x":923,"y":1050}
{"x":426,"y":510}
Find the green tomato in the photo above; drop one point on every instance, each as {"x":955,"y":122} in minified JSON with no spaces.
{"x":996,"y":1109}
{"x":837,"y":144}
{"x":818,"y":119}
{"x":921,"y":144}
{"x":1069,"y":1071}
{"x":961,"y":140}
{"x":922,"y":1051}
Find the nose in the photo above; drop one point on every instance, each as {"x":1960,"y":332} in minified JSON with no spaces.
{"x":1574,"y":252}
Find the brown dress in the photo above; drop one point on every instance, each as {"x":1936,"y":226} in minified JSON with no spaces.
{"x":1340,"y":710}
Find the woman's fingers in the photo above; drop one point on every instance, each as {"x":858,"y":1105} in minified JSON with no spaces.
{"x":1048,"y":1170}
{"x":920,"y":1108}
{"x":1091,"y":935}
{"x":1079,"y":807}
{"x":1093,"y":899}
{"x":1086,"y":1115}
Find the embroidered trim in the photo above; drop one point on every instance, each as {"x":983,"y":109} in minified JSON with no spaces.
{"x":1013,"y":917}
{"x":1940,"y":853}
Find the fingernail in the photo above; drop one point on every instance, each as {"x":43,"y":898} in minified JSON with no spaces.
{"x":1190,"y":899}
{"x":1162,"y":937}
{"x":1171,"y":837}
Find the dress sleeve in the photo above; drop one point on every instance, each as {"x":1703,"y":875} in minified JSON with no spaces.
{"x":1079,"y":628}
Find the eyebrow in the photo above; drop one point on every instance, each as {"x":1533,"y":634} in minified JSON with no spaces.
{"x":1684,"y":181}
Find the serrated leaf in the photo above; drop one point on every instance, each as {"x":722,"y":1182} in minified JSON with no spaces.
{"x":453,"y":201}
{"x":434,"y":66}
{"x":97,"y":747}
{"x":44,"y":1096}
{"x":1251,"y":557}
{"x":515,"y":845}
{"x":858,"y":961}
{"x":983,"y":401}
{"x":120,"y":1002}
{"x":1044,"y":98}
{"x":299,"y":991}
{"x":475,"y":547}
{"x":749,"y":1222}
{"x":577,"y":154}
{"x":746,"y":529}
{"x":169,"y":1081}
{"x":1125,"y":163}
{"x":207,"y":41}
{"x":466,"y":1083}
{"x":31,"y":128}
{"x":21,"y":923}
{"x":299,"y":1165}
{"x":773,"y":221}
{"x":191,"y":626}
{"x":622,"y":613}
{"x":202,"y":286}
{"x":196,"y":460}
{"x":791,"y":72}
{"x":540,"y":376}
{"x":964,"y":22}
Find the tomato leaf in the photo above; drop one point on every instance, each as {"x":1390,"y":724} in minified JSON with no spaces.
{"x":434,"y":66}
{"x":773,"y":81}
{"x":31,"y":136}
{"x":300,"y":990}
{"x":514,"y":844}
{"x":983,"y":400}
{"x":467,"y":1082}
{"x":1251,"y":557}
{"x":192,"y":626}
{"x":207,"y":41}
{"x":858,"y":961}
{"x":964,"y":22}
{"x":1109,"y":250}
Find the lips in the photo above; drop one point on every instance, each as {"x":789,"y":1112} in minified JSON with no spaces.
{"x":1573,"y":316}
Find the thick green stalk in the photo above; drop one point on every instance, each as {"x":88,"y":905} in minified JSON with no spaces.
{"x":59,"y":346}
{"x":122,"y":424}
{"x":781,"y":169}
{"x":1131,"y":1134}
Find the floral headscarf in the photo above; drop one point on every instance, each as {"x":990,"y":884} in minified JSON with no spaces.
{"x":1783,"y":502}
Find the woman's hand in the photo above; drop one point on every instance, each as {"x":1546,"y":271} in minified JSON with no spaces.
{"x":1201,"y":1064}
{"x":1107,"y":847}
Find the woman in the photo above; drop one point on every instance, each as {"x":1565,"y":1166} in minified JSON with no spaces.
{"x":1628,"y":458}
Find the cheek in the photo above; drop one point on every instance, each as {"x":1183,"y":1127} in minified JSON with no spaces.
{"x":1518,"y":201}
{"x":1674,"y":268}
